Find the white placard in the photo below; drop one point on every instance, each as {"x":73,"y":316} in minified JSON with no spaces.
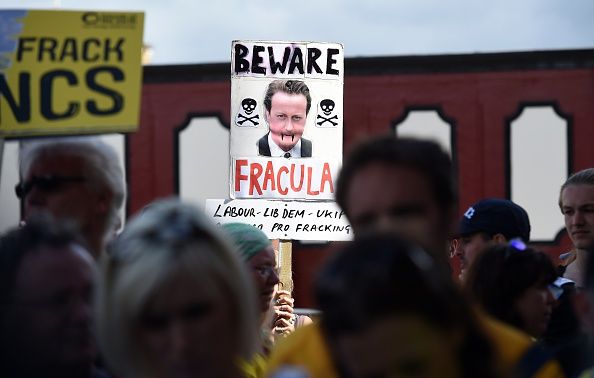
{"x":316,"y":122}
{"x":295,"y":220}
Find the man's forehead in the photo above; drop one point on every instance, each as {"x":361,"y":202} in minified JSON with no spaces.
{"x":61,"y":162}
{"x":282,"y":96}
{"x":47,"y":265}
{"x":473,"y":235}
{"x":399,"y":190}
{"x":392,"y":176}
{"x":577,"y":195}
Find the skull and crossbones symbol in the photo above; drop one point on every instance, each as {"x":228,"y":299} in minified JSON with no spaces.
{"x":327,"y":107}
{"x":248,"y":105}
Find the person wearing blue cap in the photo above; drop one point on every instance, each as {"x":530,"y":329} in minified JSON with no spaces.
{"x":489,"y":221}
{"x":497,"y":222}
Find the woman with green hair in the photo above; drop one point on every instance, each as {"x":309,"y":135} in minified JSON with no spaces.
{"x":255,"y":249}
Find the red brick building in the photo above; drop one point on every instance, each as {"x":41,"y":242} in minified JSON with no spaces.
{"x":516,"y":124}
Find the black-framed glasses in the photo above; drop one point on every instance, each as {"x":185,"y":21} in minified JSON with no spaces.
{"x":47,"y":183}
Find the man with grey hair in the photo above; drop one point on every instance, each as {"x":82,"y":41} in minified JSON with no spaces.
{"x":75,"y":178}
{"x":576,"y":201}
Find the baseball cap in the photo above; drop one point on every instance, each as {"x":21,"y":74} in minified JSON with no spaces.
{"x":496,"y":216}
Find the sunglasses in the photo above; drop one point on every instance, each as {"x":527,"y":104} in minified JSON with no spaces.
{"x":46,"y":184}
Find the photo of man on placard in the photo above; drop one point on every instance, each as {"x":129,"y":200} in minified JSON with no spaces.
{"x":287,"y":103}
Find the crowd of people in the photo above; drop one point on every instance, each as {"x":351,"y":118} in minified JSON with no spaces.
{"x":172,"y":294}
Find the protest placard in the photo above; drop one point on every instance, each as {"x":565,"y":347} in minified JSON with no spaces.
{"x":69,"y":72}
{"x":286,"y":112}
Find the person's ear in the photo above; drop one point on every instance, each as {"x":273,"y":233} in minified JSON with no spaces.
{"x":499,"y":239}
{"x":584,"y":310}
{"x":267,"y":116}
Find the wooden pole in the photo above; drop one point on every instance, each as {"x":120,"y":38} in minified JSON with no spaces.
{"x":285,"y":262}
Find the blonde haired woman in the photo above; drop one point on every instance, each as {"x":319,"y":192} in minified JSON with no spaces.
{"x":174,"y":300}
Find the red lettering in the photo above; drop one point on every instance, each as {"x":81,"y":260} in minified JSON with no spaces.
{"x":309,"y":191}
{"x":293,"y":187}
{"x":278,"y":179}
{"x":255,"y":172}
{"x":326,"y":177}
{"x":238,"y":176}
{"x":282,"y":191}
{"x":269,"y":176}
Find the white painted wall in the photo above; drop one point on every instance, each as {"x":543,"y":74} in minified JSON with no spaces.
{"x":539,"y":167}
{"x":426,"y":124}
{"x":9,"y":176}
{"x":204,"y":161}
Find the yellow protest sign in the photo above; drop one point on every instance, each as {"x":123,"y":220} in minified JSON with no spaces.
{"x":69,"y":72}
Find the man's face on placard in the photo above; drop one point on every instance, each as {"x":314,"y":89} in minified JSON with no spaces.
{"x":286,"y":119}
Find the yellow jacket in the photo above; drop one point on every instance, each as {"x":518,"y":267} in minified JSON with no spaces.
{"x":306,"y":348}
